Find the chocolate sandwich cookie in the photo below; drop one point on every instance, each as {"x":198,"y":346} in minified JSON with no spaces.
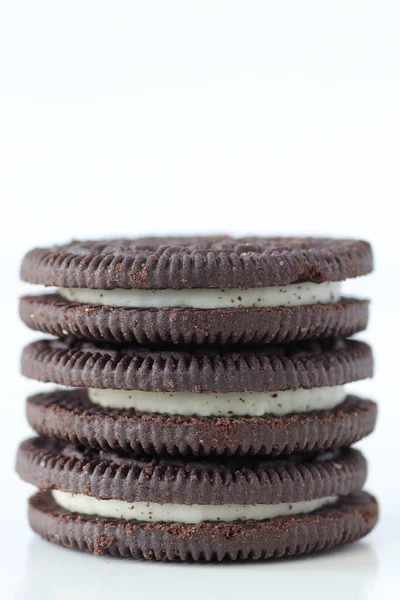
{"x":202,"y":291}
{"x":171,"y":509}
{"x":277,"y":400}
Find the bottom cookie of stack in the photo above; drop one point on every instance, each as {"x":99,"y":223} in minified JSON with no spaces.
{"x":180,"y":509}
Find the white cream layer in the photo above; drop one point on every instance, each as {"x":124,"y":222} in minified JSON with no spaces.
{"x":298,"y":294}
{"x":183,"y":513}
{"x":253,"y":404}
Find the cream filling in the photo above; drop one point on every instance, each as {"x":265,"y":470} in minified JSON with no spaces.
{"x":253,"y":404}
{"x":184,"y":513}
{"x":298,"y":294}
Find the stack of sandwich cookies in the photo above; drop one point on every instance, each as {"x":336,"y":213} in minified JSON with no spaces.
{"x":197,"y":447}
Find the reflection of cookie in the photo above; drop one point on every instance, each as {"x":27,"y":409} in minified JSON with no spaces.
{"x":70,"y":415}
{"x":197,"y":290}
{"x":172,"y":509}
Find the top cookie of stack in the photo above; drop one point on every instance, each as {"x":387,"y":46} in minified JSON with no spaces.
{"x":197,"y":291}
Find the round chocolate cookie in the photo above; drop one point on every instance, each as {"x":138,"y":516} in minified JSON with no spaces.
{"x":273,"y":368}
{"x":350,"y":519}
{"x":202,"y":291}
{"x":176,"y":509}
{"x":196,"y":262}
{"x":278,"y":400}
{"x":53,"y":314}
{"x":55,"y":465}
{"x":70,"y":415}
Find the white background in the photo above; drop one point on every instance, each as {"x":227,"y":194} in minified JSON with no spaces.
{"x":234,"y":116}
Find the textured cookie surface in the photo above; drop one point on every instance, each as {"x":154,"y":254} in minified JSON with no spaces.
{"x":213,"y":262}
{"x":48,"y":464}
{"x":54,"y":315}
{"x":351,"y":518}
{"x":70,"y":416}
{"x":279,"y":367}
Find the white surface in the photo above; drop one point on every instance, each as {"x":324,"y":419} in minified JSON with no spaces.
{"x":232,"y":403}
{"x":184,"y":513}
{"x":289,"y":295}
{"x":136,"y":117}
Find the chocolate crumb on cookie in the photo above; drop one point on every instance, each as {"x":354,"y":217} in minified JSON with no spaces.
{"x":202,"y":291}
